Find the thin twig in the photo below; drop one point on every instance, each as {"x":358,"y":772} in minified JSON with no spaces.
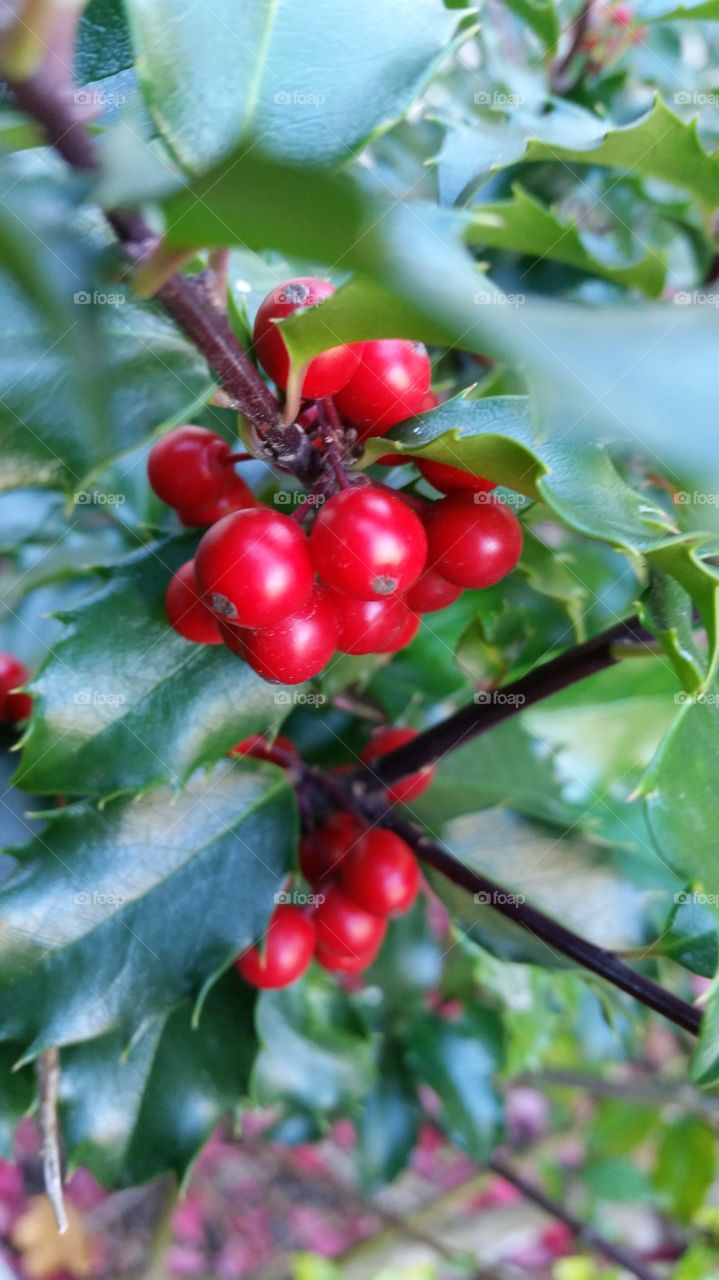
{"x":48,"y":1070}
{"x":560,"y":80}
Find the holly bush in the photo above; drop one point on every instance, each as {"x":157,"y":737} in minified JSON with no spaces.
{"x":237,"y":242}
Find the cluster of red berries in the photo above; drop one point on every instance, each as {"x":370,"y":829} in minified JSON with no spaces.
{"x":375,"y":558}
{"x":360,"y":877}
{"x":14,"y":706}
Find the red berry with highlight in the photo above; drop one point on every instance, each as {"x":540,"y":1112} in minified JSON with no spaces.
{"x":431,"y":592}
{"x":381,"y":873}
{"x":370,"y":626}
{"x":188,"y":467}
{"x":186,"y":612}
{"x":345,"y":927}
{"x":253,"y":568}
{"x":389,"y":385}
{"x":328,"y":371}
{"x":235,"y":498}
{"x":409,"y":788}
{"x":473,"y":544}
{"x":335,"y":962}
{"x":296,"y":648}
{"x":13,"y":673}
{"x":451,"y":479}
{"x":284,"y":953}
{"x":367,"y":543}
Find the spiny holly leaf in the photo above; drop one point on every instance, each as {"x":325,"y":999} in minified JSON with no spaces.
{"x":459,"y":1060}
{"x":666,"y":10}
{"x":132,"y":1116}
{"x":217,"y":73}
{"x":690,"y":936}
{"x":103,"y":44}
{"x":541,"y":16}
{"x":115,"y":914}
{"x":315,"y":1052}
{"x":657,"y":145}
{"x":17,"y":1090}
{"x":110,"y":719}
{"x":524,"y":225}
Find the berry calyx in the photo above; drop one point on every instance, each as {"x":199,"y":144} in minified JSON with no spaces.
{"x":345,"y":927}
{"x":409,"y":788}
{"x":253,"y":568}
{"x":473,"y":544}
{"x":367,"y":543}
{"x":451,"y":479}
{"x":431,"y":592}
{"x":335,"y":962}
{"x":381,"y":873}
{"x":14,"y":706}
{"x":187,"y":467}
{"x":186,"y":612}
{"x":322,"y":851}
{"x":389,"y":384}
{"x":324,"y":375}
{"x":296,"y":648}
{"x":237,"y":496}
{"x":285,"y":952}
{"x":370,"y":626}
{"x":279,"y":751}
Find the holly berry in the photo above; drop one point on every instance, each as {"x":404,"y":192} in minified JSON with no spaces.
{"x":328,"y":371}
{"x":13,"y":673}
{"x":450,"y":479}
{"x":253,"y":567}
{"x":408,"y":632}
{"x":285,"y":952}
{"x":409,"y":788}
{"x":431,"y":592}
{"x":345,"y":927}
{"x":370,"y":626}
{"x":186,"y":612}
{"x":296,"y":648}
{"x":335,"y":962}
{"x":390,"y":383}
{"x":188,"y":467}
{"x":237,"y":496}
{"x":381,"y":873}
{"x":473,"y":544}
{"x":367,"y":543}
{"x":280,"y":751}
{"x":322,"y":851}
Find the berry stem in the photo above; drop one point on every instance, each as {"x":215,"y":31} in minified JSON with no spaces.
{"x":238,"y":457}
{"x":330,"y":427}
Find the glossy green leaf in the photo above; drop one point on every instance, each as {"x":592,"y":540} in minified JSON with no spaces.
{"x":388,"y":1123}
{"x":690,"y":937}
{"x":686,"y":1163}
{"x":115,"y":914}
{"x":459,"y":1060}
{"x":540,"y":16}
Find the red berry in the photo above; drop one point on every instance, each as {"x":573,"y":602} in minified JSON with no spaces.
{"x":409,"y":788}
{"x":430,"y":401}
{"x":284,"y":953}
{"x":296,"y":648}
{"x":408,"y":632}
{"x":323,"y":850}
{"x":186,"y":612}
{"x":253,"y":567}
{"x":389,"y":385}
{"x":450,"y":479}
{"x":328,"y":371}
{"x":237,"y":496}
{"x":259,"y":748}
{"x":13,"y":706}
{"x":335,"y":962}
{"x":345,"y":927}
{"x":369,"y":626}
{"x":381,"y":873}
{"x":431,"y":592}
{"x":366,"y":542}
{"x":188,"y":467}
{"x":473,"y":544}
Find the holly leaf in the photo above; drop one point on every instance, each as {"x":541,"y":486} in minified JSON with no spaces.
{"x":130,"y":1116}
{"x":17,"y":1091}
{"x":690,"y":937}
{"x":216,"y":75}
{"x":388,"y":1123}
{"x":685,"y":1167}
{"x":541,"y":17}
{"x":459,"y":1060}
{"x":115,"y":914}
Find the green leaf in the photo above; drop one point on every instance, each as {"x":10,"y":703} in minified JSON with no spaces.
{"x":110,"y":719}
{"x":215,"y":75}
{"x":115,"y":914}
{"x":17,"y":1091}
{"x":690,"y":936}
{"x":459,"y":1060}
{"x":315,"y":1052}
{"x":685,"y":1167}
{"x":129,"y":1116}
{"x":705,"y":1063}
{"x":103,"y":42}
{"x":540,"y":16}
{"x":524,"y":225}
{"x":388,"y":1123}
